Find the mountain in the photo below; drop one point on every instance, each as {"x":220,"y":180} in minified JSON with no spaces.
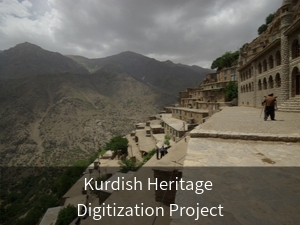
{"x":165,"y":76}
{"x":27,"y":59}
{"x":56,"y":109}
{"x":56,"y":119}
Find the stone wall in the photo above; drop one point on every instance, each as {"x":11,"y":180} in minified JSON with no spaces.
{"x":164,"y":175}
{"x":258,"y":77}
{"x":185,"y":115}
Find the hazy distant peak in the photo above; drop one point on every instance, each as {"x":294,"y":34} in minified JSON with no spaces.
{"x":27,"y":45}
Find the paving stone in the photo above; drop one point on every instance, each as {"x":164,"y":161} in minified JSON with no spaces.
{"x":258,"y":184}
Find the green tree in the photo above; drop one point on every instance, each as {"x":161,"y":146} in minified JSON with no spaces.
{"x":228,"y":59}
{"x":262,"y":29}
{"x":216,"y":63}
{"x":117,"y":143}
{"x":231,"y":91}
{"x":66,"y":215}
{"x":270,"y":18}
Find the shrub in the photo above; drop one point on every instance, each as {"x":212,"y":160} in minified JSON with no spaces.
{"x":66,"y":215}
{"x":129,"y":165}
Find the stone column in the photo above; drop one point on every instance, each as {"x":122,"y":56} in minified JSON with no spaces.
{"x":286,"y":20}
{"x":255,"y":88}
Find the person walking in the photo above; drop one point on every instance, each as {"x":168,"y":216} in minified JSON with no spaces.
{"x":270,"y":105}
{"x":157,"y":153}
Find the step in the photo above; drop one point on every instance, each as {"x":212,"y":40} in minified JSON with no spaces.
{"x":291,"y":103}
{"x":295,"y":105}
{"x":289,"y":110}
{"x":289,"y":107}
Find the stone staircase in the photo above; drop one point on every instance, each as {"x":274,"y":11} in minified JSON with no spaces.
{"x":291,"y":105}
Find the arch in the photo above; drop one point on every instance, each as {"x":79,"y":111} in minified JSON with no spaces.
{"x":250,"y":87}
{"x":259,"y":68}
{"x":271,"y":82}
{"x":295,"y":49}
{"x":259,"y":85}
{"x":250,"y":73}
{"x":277,"y":80}
{"x":265,"y":65}
{"x":295,"y":81}
{"x":278,"y":58}
{"x":271,"y":62}
{"x":247,"y":88}
{"x":265,"y":84}
{"x":241,"y":89}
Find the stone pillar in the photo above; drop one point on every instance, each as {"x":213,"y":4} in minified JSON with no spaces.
{"x":255,"y":85}
{"x":286,"y":20}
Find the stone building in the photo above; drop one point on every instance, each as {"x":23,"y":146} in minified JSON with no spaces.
{"x":190,"y":116}
{"x":210,"y":90}
{"x":271,"y":62}
{"x":213,"y":86}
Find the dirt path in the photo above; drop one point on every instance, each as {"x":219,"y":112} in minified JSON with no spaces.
{"x":78,"y":90}
{"x":35,"y":131}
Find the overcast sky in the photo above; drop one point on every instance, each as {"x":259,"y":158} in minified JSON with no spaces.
{"x":193,"y":32}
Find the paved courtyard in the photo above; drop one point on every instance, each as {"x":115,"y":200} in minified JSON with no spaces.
{"x":256,"y":180}
{"x":246,"y":123}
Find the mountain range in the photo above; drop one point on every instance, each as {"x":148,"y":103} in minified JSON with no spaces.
{"x":55,"y":109}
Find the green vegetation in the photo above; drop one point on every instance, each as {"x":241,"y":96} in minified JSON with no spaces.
{"x":130,"y":165}
{"x":117,"y":143}
{"x":66,"y":215}
{"x":228,"y":59}
{"x":231,"y":91}
{"x":264,"y":27}
{"x":102,"y":152}
{"x":26,"y":193}
{"x":270,"y":18}
{"x":167,"y":140}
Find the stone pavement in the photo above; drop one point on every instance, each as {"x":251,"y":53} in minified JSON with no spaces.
{"x":255,"y":180}
{"x":246,"y":123}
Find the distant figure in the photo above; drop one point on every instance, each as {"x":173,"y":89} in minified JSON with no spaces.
{"x":77,"y":222}
{"x":157,"y":153}
{"x":162,"y":151}
{"x":270,"y":105}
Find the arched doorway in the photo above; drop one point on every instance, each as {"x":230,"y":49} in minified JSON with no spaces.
{"x":296,"y":81}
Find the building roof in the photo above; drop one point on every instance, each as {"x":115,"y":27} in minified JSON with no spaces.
{"x":80,"y":199}
{"x":191,"y":110}
{"x":176,"y":124}
{"x":50,"y":216}
{"x":155,"y":126}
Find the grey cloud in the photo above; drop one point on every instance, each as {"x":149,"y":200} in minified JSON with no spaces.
{"x":190,"y":31}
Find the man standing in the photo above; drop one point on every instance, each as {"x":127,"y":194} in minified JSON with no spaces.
{"x":270,"y":105}
{"x":157,"y":153}
{"x":162,"y":151}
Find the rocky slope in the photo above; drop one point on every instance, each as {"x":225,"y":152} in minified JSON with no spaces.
{"x":56,"y":119}
{"x":165,"y":76}
{"x":54,"y":111}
